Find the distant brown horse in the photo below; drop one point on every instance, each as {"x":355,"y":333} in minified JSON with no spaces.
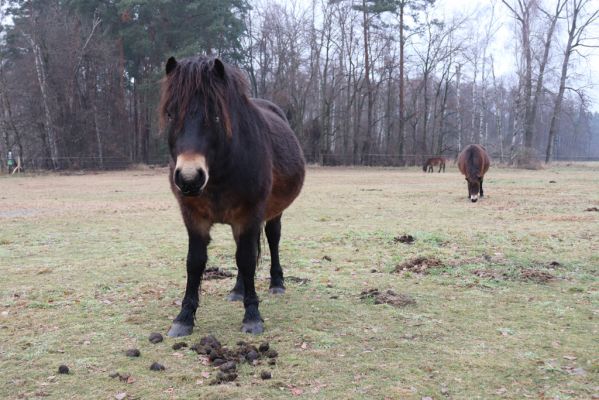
{"x":233,"y":160}
{"x":434,"y":161}
{"x":473,"y":163}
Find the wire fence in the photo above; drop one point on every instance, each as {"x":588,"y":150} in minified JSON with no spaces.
{"x":384,"y":160}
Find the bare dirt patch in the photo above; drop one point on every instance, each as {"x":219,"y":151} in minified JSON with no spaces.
{"x":387,"y":297}
{"x":418,"y":265}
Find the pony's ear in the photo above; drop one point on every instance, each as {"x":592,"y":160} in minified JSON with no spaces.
{"x":219,"y":68}
{"x":171,"y":64}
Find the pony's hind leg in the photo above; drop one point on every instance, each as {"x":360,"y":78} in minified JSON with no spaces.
{"x":197,"y":256}
{"x":246,"y":257}
{"x":273,"y":234}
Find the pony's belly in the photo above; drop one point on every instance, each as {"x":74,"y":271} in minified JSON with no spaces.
{"x":284,"y":191}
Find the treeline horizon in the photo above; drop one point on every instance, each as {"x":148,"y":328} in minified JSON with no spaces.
{"x":380,"y":82}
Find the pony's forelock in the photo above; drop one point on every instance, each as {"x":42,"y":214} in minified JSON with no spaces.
{"x":194,"y":77}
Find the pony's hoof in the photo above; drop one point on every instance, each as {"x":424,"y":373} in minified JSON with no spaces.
{"x":178,"y":330}
{"x":234,"y":296}
{"x":253,"y":327}
{"x":277,"y":290}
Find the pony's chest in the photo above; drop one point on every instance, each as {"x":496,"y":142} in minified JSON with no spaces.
{"x":222,"y":209}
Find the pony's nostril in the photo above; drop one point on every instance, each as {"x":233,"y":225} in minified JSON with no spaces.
{"x":177,"y":178}
{"x":201,"y":179}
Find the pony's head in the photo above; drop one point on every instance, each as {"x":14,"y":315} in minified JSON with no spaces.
{"x":198,"y":96}
{"x":473,"y":186}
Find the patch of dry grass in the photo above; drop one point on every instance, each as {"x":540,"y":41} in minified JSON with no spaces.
{"x":92,"y":264}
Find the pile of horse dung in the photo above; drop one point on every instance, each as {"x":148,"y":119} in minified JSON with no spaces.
{"x":526,"y":274}
{"x":418,"y":265}
{"x":387,"y":297}
{"x":216,"y":273}
{"x":406,"y":239}
{"x":226,"y":360}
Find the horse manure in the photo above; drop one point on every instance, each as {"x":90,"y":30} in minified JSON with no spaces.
{"x":490,"y":274}
{"x":406,"y":239}
{"x":555,"y":264}
{"x":388,"y":297}
{"x":222,"y":377}
{"x":272,"y":353}
{"x":295,"y":279}
{"x":63,"y":369}
{"x":179,"y":345}
{"x":216,"y":273}
{"x":215,"y":354}
{"x":155,"y":337}
{"x":552,"y":182}
{"x":418,"y":265}
{"x":218,"y":362}
{"x":264,"y":347}
{"x":592,"y":209}
{"x":133,"y":353}
{"x":227,"y":360}
{"x":265,"y":375}
{"x":157,"y":367}
{"x":251,"y":356}
{"x":272,"y":361}
{"x":229,"y":366}
{"x":210,"y":341}
{"x":326,"y":258}
{"x":536,"y":276}
{"x":198,"y":348}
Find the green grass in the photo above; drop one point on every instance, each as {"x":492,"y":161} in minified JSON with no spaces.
{"x":91,"y":265}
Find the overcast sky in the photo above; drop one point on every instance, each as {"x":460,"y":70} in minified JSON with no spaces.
{"x":584,"y":72}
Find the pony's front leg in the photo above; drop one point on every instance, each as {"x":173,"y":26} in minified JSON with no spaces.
{"x":197,"y":256}
{"x":246,"y":257}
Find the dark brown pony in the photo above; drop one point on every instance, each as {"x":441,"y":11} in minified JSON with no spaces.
{"x":233,"y":160}
{"x":473,"y":163}
{"x":432,"y":162}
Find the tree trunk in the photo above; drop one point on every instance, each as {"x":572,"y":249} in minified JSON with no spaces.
{"x":48,"y":123}
{"x":402,"y":128}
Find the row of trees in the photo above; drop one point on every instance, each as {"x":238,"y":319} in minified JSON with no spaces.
{"x":79,"y":78}
{"x":362,"y":82}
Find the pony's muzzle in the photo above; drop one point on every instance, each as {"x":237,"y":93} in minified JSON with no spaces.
{"x":191,"y":174}
{"x":473,"y":198}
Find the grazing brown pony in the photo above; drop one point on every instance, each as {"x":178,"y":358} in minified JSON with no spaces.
{"x":434,"y":161}
{"x":473,"y":163}
{"x":233,"y":160}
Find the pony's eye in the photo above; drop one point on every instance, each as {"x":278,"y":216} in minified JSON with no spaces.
{"x":217,"y":119}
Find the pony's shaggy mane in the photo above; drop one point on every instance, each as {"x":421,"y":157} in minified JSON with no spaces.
{"x":197,"y":77}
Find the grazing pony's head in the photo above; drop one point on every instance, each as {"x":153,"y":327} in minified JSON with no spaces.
{"x":200,"y":97}
{"x":474,"y":174}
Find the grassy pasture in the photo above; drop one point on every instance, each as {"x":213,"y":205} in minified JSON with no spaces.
{"x":91,"y":264}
